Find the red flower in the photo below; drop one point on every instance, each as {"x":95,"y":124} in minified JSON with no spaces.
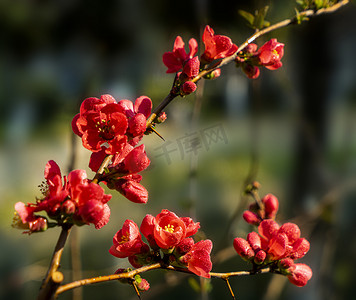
{"x":216,"y":46}
{"x":175,"y":60}
{"x":127,"y":241}
{"x":276,"y":242}
{"x":270,"y":54}
{"x":167,"y":230}
{"x":198,"y":258}
{"x":91,"y":204}
{"x":76,"y":200}
{"x":101,"y":121}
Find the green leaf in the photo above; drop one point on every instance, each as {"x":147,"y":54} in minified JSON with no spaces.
{"x":247,"y":16}
{"x":260,"y":17}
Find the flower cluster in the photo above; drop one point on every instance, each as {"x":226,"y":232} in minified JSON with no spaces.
{"x":269,"y":56}
{"x":168,"y":241}
{"x":276,"y":247}
{"x":115,"y":128}
{"x":73,"y":200}
{"x":187,"y":65}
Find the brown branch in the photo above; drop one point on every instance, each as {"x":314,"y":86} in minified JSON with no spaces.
{"x":54,"y":278}
{"x":104,"y":164}
{"x":127,"y":275}
{"x":131,"y":275}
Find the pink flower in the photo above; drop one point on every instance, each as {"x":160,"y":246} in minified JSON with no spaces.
{"x":198,"y":258}
{"x":216,"y":46}
{"x":127,"y":241}
{"x":270,"y":54}
{"x":175,"y":60}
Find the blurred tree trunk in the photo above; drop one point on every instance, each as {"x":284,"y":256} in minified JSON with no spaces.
{"x":313,"y":69}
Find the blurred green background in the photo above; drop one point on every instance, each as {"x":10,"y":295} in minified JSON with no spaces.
{"x":293,"y":130}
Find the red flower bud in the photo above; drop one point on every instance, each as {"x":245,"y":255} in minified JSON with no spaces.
{"x":300,"y":275}
{"x":260,"y":257}
{"x":188,"y":87}
{"x":243,"y":248}
{"x":251,"y":218}
{"x":271,"y":206}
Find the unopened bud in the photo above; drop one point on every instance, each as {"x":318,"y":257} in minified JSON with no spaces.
{"x":188,"y":87}
{"x":260,"y":257}
{"x":251,"y":218}
{"x":271,"y":206}
{"x":162,"y":117}
{"x":243,"y":248}
{"x":68,"y":207}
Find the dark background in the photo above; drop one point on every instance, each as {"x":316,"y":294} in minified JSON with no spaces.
{"x":293,"y":130}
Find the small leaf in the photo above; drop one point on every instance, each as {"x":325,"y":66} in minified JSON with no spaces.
{"x":247,"y":16}
{"x":260,"y":17}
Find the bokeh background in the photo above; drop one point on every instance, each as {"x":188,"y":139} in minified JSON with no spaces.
{"x":293,"y":130}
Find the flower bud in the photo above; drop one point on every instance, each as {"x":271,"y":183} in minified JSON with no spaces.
{"x":142,"y":284}
{"x":251,"y":218}
{"x":162,"y":117}
{"x":243,"y":248}
{"x":184,"y":246}
{"x":68,"y":207}
{"x":188,"y":87}
{"x":271,"y":206}
{"x":191,"y":67}
{"x":260,"y":257}
{"x":300,"y":275}
{"x":137,"y":124}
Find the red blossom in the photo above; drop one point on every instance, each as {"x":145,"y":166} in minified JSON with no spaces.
{"x":127,"y":241}
{"x":169,"y":229}
{"x":270,"y":54}
{"x":75,"y":200}
{"x":216,"y":46}
{"x":175,"y":60}
{"x":101,"y":121}
{"x":198,"y":258}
